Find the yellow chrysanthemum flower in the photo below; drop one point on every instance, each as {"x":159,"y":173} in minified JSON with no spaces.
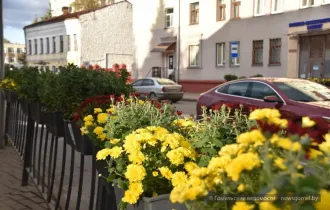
{"x":136,"y":157}
{"x":97,"y":110}
{"x":103,"y":154}
{"x":190,"y":166}
{"x":155,"y":173}
{"x":251,"y":137}
{"x":115,"y":152}
{"x":98,"y":130}
{"x":89,"y":118}
{"x":102,"y":118}
{"x":241,"y":187}
{"x":307,"y":122}
{"x":242,"y":206}
{"x":135,"y":173}
{"x":88,"y":123}
{"x":166,"y":172}
{"x":179,"y":178}
{"x":130,"y":197}
{"x":141,"y":102}
{"x":102,"y":136}
{"x":279,"y":162}
{"x":84,"y":130}
{"x":324,"y":203}
{"x":114,"y":141}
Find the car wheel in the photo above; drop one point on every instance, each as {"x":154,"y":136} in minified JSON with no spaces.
{"x":152,"y":96}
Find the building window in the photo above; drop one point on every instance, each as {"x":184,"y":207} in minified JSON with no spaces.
{"x":10,"y":50}
{"x":19,"y":51}
{"x":54,"y":44}
{"x":11,"y":60}
{"x":234,"y":61}
{"x":277,"y":6}
{"x":193,"y":55}
{"x":47,"y":45}
{"x":307,"y":3}
{"x":221,"y":10}
{"x":169,"y":17}
{"x":61,"y":44}
{"x":220,"y":54}
{"x":258,"y":52}
{"x":69,"y":43}
{"x":275,"y":51}
{"x":35,"y":47}
{"x":41,"y":46}
{"x":30,"y":47}
{"x":258,"y":7}
{"x":235,"y":4}
{"x":75,"y":42}
{"x":194,"y":13}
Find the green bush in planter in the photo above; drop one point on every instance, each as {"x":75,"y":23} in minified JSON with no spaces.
{"x":230,"y":77}
{"x":26,"y":80}
{"x":67,"y":89}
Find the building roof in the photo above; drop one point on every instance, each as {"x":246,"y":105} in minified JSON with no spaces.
{"x":67,"y":16}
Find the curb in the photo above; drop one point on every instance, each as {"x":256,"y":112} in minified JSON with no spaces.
{"x":189,"y":99}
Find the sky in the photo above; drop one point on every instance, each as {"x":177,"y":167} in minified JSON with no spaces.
{"x":19,"y":13}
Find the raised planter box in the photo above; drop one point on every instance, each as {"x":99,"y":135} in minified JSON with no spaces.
{"x":161,"y":202}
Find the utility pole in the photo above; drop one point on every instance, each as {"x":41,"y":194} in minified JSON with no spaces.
{"x":178,"y":44}
{"x":2,"y":75}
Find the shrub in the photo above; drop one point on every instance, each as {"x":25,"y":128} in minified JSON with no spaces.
{"x":230,"y":77}
{"x":258,"y":75}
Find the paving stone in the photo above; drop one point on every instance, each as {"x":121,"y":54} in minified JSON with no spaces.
{"x":13,"y":196}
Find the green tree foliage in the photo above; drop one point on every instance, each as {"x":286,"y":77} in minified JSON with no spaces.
{"x":48,"y":13}
{"x":6,"y":41}
{"x":79,"y":5}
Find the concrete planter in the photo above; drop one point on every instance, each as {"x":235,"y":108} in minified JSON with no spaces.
{"x":161,"y":202}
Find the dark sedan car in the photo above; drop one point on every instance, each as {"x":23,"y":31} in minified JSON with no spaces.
{"x":294,"y":98}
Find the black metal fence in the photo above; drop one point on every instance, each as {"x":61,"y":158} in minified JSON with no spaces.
{"x":63,"y":168}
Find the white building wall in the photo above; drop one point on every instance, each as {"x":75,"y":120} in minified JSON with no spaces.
{"x":50,"y":30}
{"x":149,"y":27}
{"x":12,"y":58}
{"x":107,"y":36}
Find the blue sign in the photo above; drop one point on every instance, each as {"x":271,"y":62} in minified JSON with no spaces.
{"x":234,"y":49}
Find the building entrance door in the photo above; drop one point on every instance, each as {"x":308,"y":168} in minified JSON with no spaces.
{"x":312,"y":57}
{"x":317,"y":44}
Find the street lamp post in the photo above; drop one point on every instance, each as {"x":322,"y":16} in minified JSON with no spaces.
{"x":2,"y":75}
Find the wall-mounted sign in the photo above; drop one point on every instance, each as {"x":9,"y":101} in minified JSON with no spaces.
{"x":234,"y":49}
{"x":315,"y":67}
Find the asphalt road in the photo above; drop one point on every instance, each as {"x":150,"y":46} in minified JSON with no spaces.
{"x":187,"y":107}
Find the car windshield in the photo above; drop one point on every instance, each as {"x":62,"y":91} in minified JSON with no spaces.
{"x":304,"y":90}
{"x":165,"y":82}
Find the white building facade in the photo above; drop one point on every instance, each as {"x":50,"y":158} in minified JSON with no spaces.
{"x":54,"y":43}
{"x":219,"y":37}
{"x":102,"y":36}
{"x":107,"y":36}
{"x":12,"y":53}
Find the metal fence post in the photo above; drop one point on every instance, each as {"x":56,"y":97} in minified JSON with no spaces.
{"x":2,"y":75}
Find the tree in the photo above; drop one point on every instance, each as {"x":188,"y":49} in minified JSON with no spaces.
{"x":79,"y":5}
{"x":36,"y":19}
{"x":6,"y":41}
{"x":48,"y":13}
{"x":22,"y":58}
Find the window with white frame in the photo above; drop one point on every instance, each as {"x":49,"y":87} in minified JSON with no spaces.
{"x":220,"y":54}
{"x":277,"y":6}
{"x":193,"y":55}
{"x":169,"y":17}
{"x":306,"y":3}
{"x":234,"y":61}
{"x":259,"y":7}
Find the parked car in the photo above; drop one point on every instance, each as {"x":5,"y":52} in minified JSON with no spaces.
{"x":294,"y":98}
{"x":159,"y":88}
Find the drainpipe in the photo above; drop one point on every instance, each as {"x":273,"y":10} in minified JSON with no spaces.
{"x":2,"y":75}
{"x":178,"y":45}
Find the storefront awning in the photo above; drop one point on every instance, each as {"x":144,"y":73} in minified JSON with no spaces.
{"x":162,"y":47}
{"x":302,"y":33}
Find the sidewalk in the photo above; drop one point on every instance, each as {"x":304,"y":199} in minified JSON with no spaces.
{"x":190,"y":96}
{"x":12,"y":195}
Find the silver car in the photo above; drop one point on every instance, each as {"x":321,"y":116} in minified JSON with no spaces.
{"x":159,"y":88}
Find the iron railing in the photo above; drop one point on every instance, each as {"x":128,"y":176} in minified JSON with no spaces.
{"x":66,"y":178}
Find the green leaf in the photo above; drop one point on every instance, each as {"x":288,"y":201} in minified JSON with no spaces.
{"x":204,"y":160}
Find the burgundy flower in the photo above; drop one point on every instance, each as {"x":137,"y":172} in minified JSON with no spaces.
{"x":179,"y":112}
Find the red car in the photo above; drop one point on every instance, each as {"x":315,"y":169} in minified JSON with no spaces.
{"x":294,"y":98}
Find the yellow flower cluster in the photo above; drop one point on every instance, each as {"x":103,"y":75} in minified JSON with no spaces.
{"x":272,"y":116}
{"x":8,"y":83}
{"x":185,"y":123}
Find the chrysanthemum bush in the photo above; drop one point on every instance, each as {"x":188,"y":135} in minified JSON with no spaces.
{"x":264,"y":161}
{"x":218,"y":127}
{"x":147,"y":162}
{"x":121,"y":116}
{"x":8,"y":84}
